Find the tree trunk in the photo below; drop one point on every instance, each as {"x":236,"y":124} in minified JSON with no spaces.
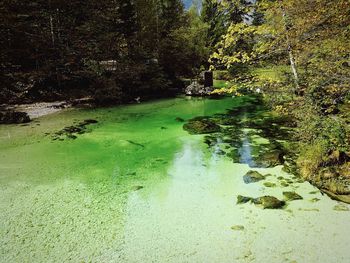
{"x":290,"y":51}
{"x":52,"y":32}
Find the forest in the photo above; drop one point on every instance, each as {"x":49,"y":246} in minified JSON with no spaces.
{"x":281,"y":70}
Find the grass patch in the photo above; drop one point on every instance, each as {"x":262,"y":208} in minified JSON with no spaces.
{"x":218,"y":84}
{"x":270,"y":73}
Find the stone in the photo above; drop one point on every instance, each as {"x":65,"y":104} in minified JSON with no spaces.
{"x":196,"y":89}
{"x":284,"y":184}
{"x":314,"y":200}
{"x":269,"y":159}
{"x":269,"y":202}
{"x":252,"y":177}
{"x":269,"y":184}
{"x":203,"y":126}
{"x":243,"y":199}
{"x":13,"y":117}
{"x":290,"y":196}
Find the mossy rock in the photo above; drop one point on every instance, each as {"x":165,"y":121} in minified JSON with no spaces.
{"x":269,"y":159}
{"x":290,"y":196}
{"x":203,"y":126}
{"x":234,"y":155}
{"x":269,"y":202}
{"x":269,"y":184}
{"x":284,"y":184}
{"x":243,"y":199}
{"x":252,"y":177}
{"x":237,"y":227}
{"x":314,"y":200}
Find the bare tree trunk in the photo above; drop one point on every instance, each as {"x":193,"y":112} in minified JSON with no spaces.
{"x":52,"y":31}
{"x":290,"y":51}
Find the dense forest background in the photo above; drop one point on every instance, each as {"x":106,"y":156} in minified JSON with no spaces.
{"x":111,"y":50}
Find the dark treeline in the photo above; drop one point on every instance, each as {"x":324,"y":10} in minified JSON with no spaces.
{"x":112,"y":50}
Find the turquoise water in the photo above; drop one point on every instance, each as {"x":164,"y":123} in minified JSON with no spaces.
{"x":137,"y":188}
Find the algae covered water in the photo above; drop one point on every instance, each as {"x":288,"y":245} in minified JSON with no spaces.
{"x":128,"y":184}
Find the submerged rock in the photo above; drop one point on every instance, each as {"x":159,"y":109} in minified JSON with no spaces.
{"x":243,"y":199}
{"x":284,"y":184}
{"x":269,"y":184}
{"x":179,"y":119}
{"x":202,"y":126}
{"x":314,"y":200}
{"x":252,"y":177}
{"x":71,"y":132}
{"x":341,"y":207}
{"x":269,"y":159}
{"x":269,"y":202}
{"x":290,"y":196}
{"x":237,"y":227}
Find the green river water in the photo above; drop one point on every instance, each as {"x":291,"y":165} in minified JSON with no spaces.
{"x":138,"y":188}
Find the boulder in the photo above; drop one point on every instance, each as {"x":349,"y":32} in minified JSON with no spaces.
{"x":196,"y":89}
{"x":269,"y":159}
{"x":13,"y":117}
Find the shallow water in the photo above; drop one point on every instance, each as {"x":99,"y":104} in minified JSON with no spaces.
{"x":137,"y":188}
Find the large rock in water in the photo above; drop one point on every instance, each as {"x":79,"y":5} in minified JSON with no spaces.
{"x":13,"y":117}
{"x":203,"y":126}
{"x":196,"y":89}
{"x":269,"y":159}
{"x":252,"y":177}
{"x":269,"y":202}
